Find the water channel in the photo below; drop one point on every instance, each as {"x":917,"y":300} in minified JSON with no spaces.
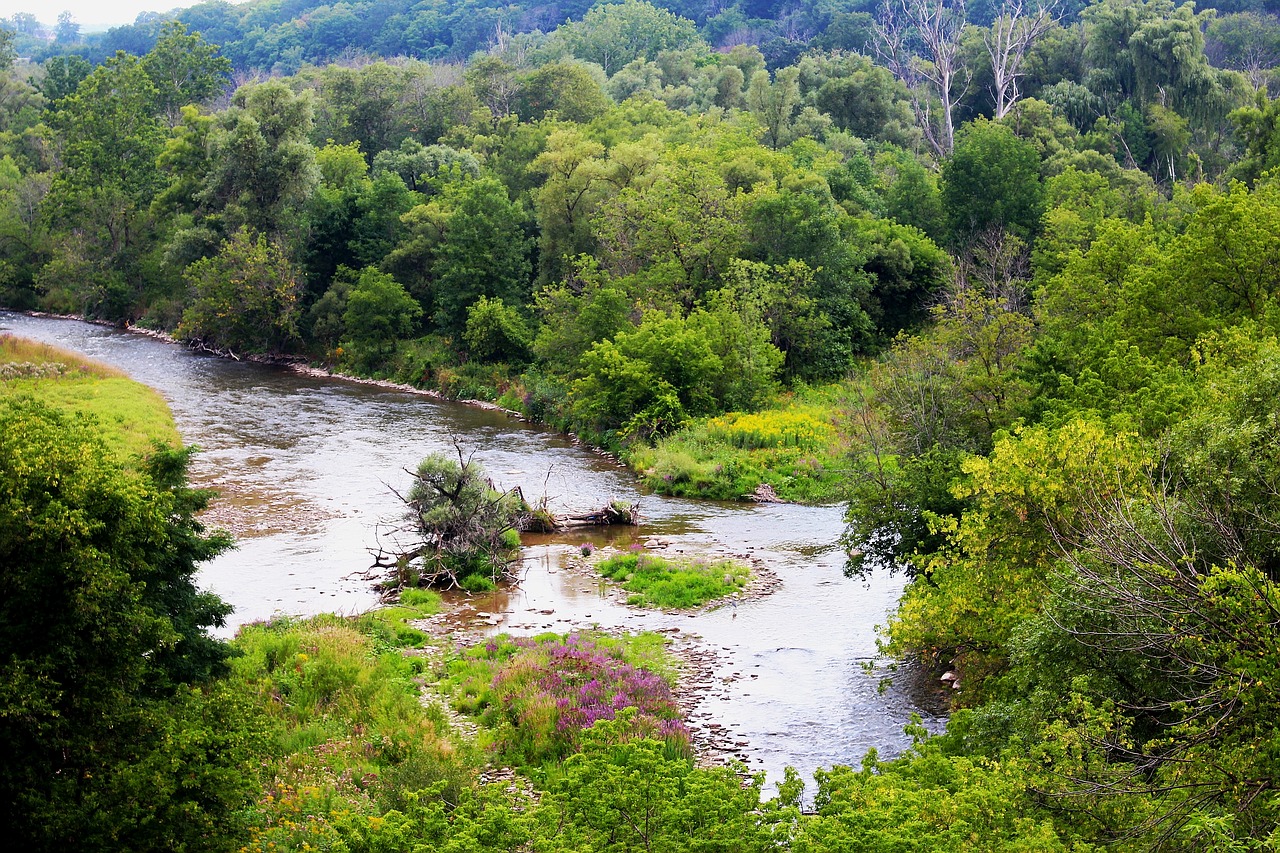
{"x":306,"y":466}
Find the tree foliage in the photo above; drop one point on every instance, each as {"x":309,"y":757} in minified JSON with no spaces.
{"x":244,"y":298}
{"x":116,"y":733}
{"x":463,"y":530}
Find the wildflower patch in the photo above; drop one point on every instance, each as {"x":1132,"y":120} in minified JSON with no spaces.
{"x":537,"y":695}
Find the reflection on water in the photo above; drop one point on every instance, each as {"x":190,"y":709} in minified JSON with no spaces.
{"x":307,"y":466}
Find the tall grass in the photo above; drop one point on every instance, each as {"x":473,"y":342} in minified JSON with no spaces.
{"x":351,"y":734}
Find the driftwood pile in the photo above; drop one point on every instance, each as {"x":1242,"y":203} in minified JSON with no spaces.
{"x":542,"y":520}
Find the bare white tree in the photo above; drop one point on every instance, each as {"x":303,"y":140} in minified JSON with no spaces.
{"x":937,"y":25}
{"x":1011,"y":36}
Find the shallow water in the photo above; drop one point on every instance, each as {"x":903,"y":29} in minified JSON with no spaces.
{"x":307,"y":467}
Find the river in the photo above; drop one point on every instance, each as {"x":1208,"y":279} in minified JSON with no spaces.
{"x":307,"y":466}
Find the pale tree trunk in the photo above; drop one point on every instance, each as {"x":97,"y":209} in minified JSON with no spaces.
{"x":1010,"y":38}
{"x":938,"y":26}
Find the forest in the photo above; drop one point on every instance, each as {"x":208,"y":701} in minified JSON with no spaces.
{"x":1001,"y":278}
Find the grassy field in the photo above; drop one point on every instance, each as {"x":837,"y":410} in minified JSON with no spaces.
{"x":132,"y":415}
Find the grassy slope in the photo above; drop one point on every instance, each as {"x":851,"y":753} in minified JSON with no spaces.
{"x":132,"y":415}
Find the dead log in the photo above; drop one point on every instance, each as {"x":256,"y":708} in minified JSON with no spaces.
{"x":614,"y":513}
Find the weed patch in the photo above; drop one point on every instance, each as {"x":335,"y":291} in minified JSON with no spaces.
{"x":655,"y":581}
{"x":537,"y":696}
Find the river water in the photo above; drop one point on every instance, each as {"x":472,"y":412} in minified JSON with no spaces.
{"x":307,"y":467}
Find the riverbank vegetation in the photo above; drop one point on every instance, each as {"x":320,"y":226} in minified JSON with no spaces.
{"x":1008,"y":288}
{"x":461,"y":531}
{"x":68,"y":382}
{"x":537,"y":697}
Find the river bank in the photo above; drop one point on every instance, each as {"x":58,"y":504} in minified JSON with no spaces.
{"x":309,"y":463}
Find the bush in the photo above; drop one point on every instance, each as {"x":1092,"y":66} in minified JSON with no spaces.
{"x":465,"y":529}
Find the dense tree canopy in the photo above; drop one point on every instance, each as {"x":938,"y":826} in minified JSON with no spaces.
{"x":1002,"y":277}
{"x":113,"y":738}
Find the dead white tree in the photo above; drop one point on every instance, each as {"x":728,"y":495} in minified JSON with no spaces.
{"x":1011,"y":37}
{"x":939,"y":66}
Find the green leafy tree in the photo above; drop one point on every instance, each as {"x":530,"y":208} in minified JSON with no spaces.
{"x":379,"y":312}
{"x":377,"y":228}
{"x":801,"y":222}
{"x":611,"y":35}
{"x":484,"y":253}
{"x":576,"y":181}
{"x":682,"y":227}
{"x":99,"y":198}
{"x":364,"y":105}
{"x":567,"y":88}
{"x":496,"y":332}
{"x":324,"y":320}
{"x":244,"y":298}
{"x":861,"y":97}
{"x":587,"y":307}
{"x":424,"y":168}
{"x":928,"y":801}
{"x":627,"y":794}
{"x":67,"y":30}
{"x":1257,"y":130}
{"x":262,"y":164}
{"x":911,"y":193}
{"x":991,"y":180}
{"x":938,"y":397}
{"x":1141,"y":50}
{"x":1244,"y":41}
{"x":774,"y":104}
{"x":1169,"y":584}
{"x":115,"y":734}
{"x":648,"y":380}
{"x":184,"y":69}
{"x":62,"y":74}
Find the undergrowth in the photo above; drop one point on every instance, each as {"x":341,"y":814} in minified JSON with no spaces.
{"x":350,"y":734}
{"x":537,"y":696}
{"x":797,"y":448}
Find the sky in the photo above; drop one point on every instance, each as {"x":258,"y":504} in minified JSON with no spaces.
{"x":90,"y":14}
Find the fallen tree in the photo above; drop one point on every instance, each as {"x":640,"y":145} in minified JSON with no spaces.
{"x":542,"y":520}
{"x":460,"y":531}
